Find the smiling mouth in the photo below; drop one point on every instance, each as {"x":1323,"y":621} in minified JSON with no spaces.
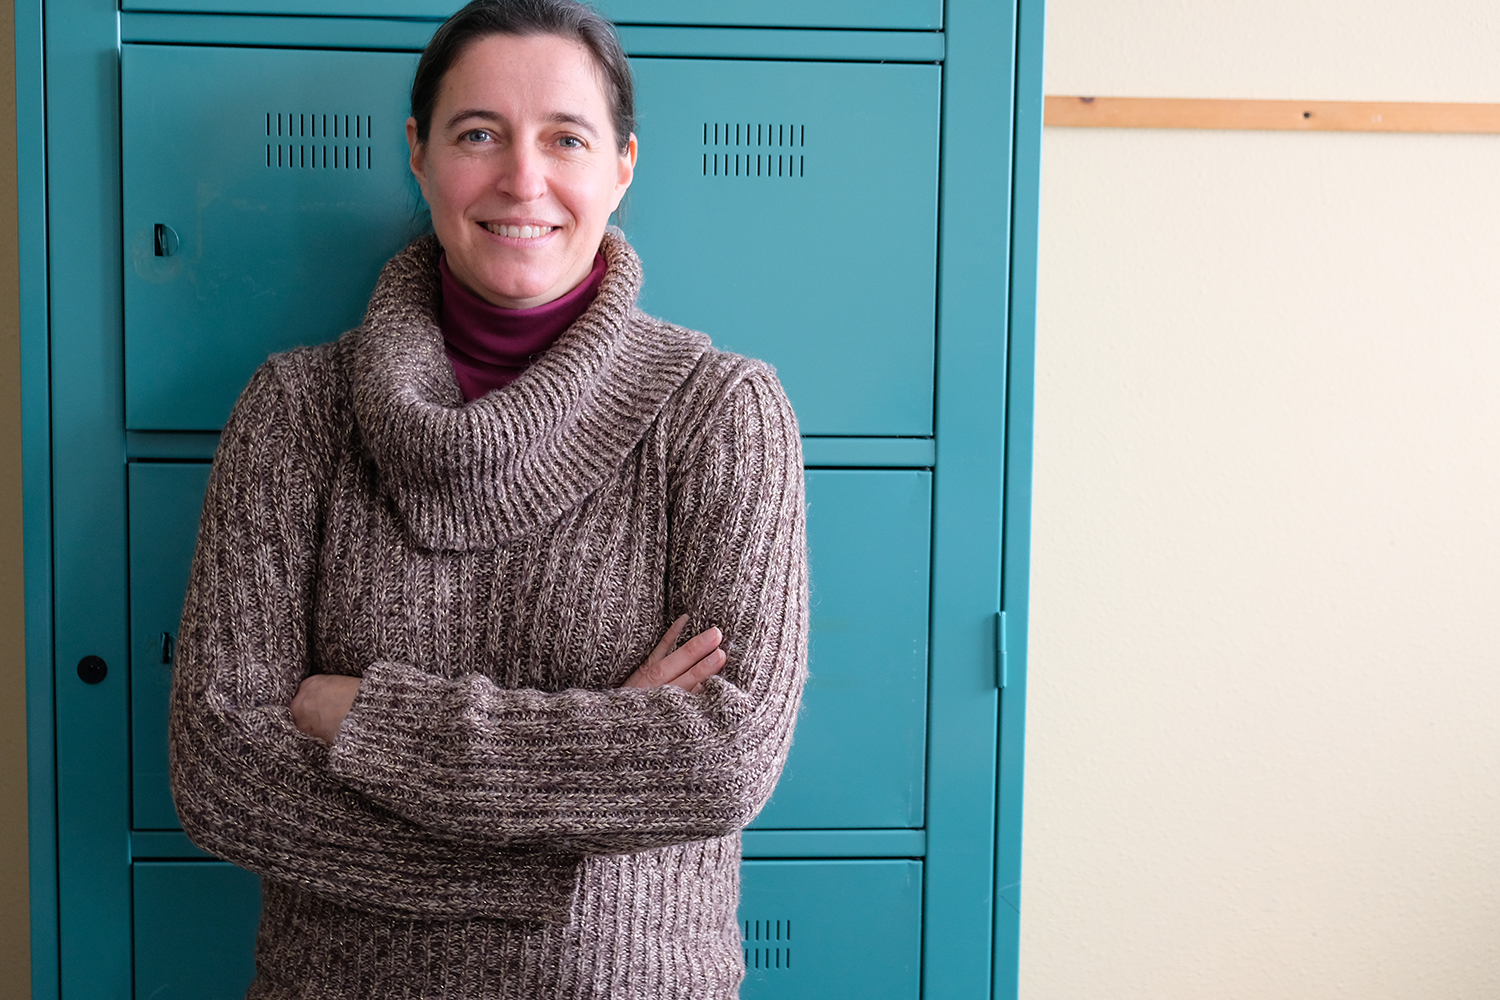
{"x":519,"y":232}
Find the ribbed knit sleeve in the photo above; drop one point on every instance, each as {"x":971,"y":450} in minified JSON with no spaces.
{"x":249,"y":786}
{"x":628,"y":769}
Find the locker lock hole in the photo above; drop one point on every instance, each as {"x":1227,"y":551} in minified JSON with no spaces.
{"x":166,"y":240}
{"x":91,"y":670}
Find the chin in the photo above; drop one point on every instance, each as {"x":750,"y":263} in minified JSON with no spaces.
{"x":508,"y":283}
{"x":520,"y":292}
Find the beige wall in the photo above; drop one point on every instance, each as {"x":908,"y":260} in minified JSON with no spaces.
{"x":15,"y":966}
{"x":1263,"y":748}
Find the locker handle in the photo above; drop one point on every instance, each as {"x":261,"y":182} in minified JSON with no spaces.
{"x":166,"y":647}
{"x":166,"y":241}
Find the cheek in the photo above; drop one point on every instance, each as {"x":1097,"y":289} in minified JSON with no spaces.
{"x":453,"y":188}
{"x":595,"y":198}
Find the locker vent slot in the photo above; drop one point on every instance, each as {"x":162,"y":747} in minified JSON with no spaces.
{"x":767,"y":944}
{"x":754,"y":149}
{"x":317,"y":141}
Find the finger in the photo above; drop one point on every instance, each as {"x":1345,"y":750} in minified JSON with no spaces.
{"x":651,"y":673}
{"x":663,"y":667}
{"x":693,"y":679}
{"x":684,"y":657}
{"x":668,"y":640}
{"x":304,"y":713}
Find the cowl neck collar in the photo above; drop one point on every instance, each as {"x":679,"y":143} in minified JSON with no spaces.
{"x":477,"y":475}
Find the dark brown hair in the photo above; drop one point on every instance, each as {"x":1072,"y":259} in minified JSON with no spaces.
{"x":566,"y":18}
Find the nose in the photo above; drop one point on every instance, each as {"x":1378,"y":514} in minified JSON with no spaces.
{"x":526,"y":177}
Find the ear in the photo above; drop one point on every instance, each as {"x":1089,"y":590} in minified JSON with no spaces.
{"x":626,"y":172}
{"x":418,"y":155}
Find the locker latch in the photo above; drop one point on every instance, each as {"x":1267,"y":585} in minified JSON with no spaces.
{"x":1001,"y":652}
{"x":166,"y":240}
{"x":166,"y":647}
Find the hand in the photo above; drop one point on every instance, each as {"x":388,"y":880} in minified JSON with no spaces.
{"x":321,"y":703}
{"x":686,"y":667}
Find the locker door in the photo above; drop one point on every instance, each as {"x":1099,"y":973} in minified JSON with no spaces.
{"x":165,"y":500}
{"x":809,"y":929}
{"x":194,"y":933}
{"x":819,"y":929}
{"x":789,"y":210}
{"x":914,"y":14}
{"x":263,"y":190}
{"x":857,"y":762}
{"x":858,"y":754}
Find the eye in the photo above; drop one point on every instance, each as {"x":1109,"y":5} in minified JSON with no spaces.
{"x":477,"y":135}
{"x":571,"y":142}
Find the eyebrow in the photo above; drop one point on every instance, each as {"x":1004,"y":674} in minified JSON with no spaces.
{"x":556,"y":118}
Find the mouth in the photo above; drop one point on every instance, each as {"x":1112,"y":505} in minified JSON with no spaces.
{"x":532,"y":232}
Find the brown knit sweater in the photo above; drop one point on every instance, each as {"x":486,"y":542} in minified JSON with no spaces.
{"x":497,"y":817}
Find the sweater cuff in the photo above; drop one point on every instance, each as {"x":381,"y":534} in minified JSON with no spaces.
{"x":393,"y":702}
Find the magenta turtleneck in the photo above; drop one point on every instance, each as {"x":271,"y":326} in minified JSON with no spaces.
{"x":490,"y":346}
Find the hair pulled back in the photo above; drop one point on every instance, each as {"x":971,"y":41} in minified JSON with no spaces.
{"x":566,"y":18}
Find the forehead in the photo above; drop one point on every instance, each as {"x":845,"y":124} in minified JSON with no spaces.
{"x":524,"y":75}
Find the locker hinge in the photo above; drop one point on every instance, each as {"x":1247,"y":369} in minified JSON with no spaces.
{"x":1001,"y":652}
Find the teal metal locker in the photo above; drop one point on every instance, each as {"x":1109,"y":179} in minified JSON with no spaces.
{"x":845,"y":189}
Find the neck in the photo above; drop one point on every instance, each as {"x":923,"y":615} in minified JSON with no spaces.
{"x":489,"y":346}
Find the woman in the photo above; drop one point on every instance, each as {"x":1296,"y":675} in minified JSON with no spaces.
{"x":426,"y":682}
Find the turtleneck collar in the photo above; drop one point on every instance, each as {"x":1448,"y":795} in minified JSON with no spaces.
{"x":490,"y":346}
{"x":476,"y":475}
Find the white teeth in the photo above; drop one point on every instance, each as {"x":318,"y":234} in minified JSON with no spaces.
{"x":518,"y":232}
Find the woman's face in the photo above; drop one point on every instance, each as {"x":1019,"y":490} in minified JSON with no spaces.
{"x":521,"y":168}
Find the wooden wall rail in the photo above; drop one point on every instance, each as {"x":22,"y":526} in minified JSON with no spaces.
{"x":1294,"y":116}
